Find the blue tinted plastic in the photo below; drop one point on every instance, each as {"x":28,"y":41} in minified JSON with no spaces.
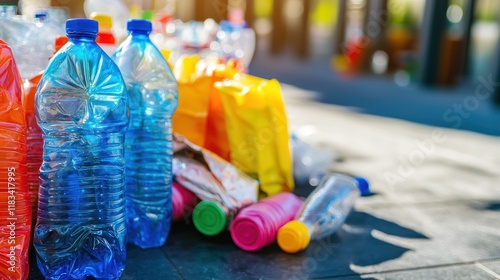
{"x":81,"y":105}
{"x":152,"y":91}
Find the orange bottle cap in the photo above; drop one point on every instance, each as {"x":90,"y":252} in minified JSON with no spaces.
{"x":60,"y":42}
{"x":293,"y":237}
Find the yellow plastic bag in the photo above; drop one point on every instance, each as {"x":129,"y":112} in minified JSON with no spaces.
{"x":257,"y":130}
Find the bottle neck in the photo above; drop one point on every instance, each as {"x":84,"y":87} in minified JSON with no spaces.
{"x":139,"y":35}
{"x":82,"y":37}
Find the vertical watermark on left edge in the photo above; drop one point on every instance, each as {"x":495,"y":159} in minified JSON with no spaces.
{"x":11,"y":218}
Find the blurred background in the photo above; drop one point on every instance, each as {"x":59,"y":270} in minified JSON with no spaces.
{"x":428,"y":61}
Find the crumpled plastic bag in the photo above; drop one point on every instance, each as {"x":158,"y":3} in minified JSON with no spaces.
{"x":211,"y":177}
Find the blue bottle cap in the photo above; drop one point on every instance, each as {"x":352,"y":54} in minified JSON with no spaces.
{"x":363,"y":186}
{"x":41,"y":14}
{"x":139,"y":25}
{"x":228,"y":26}
{"x":81,"y":26}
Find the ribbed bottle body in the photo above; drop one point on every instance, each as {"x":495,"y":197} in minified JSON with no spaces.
{"x":81,"y":217}
{"x":152,"y":92}
{"x":148,"y":153}
{"x":81,"y":108}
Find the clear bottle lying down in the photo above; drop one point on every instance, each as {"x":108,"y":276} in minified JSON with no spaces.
{"x":324,"y":211}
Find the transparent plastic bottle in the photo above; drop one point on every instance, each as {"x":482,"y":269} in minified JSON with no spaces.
{"x":15,"y":206}
{"x":32,"y":41}
{"x":81,"y":108}
{"x":34,"y":134}
{"x":323,"y":212}
{"x":152,"y":91}
{"x":235,"y":39}
{"x":8,"y":10}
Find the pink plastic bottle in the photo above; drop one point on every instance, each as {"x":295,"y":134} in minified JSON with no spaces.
{"x":183,"y":202}
{"x":257,"y":225}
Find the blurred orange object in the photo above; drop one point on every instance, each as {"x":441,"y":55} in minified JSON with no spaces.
{"x":15,"y":204}
{"x":200,"y":115}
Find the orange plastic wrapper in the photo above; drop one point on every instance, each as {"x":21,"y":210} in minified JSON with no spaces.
{"x":35,"y":147}
{"x":257,"y":130}
{"x":190,"y":118}
{"x":15,"y":204}
{"x":216,"y":139}
{"x":211,"y":177}
{"x":200,"y":115}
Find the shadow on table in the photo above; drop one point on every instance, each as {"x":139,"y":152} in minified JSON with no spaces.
{"x":491,"y":206}
{"x":353,"y":246}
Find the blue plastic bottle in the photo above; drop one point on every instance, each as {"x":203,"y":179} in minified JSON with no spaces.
{"x":152,"y":91}
{"x":81,"y":107}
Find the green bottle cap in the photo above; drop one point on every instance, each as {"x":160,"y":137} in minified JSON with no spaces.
{"x":209,"y":218}
{"x":148,"y":15}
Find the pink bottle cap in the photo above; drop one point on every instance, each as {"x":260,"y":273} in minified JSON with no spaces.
{"x":183,"y":201}
{"x":257,"y":225}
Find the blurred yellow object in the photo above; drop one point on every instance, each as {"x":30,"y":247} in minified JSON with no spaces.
{"x":135,"y":11}
{"x":325,"y":12}
{"x":257,"y":130}
{"x":166,"y":54}
{"x":105,"y":20}
{"x":339,"y":63}
{"x":263,"y":8}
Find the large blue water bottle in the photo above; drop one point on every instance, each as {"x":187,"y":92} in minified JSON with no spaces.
{"x":81,"y":107}
{"x":152,"y":91}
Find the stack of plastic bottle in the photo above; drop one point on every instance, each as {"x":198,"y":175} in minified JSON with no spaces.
{"x":101,"y":175}
{"x":81,"y":108}
{"x":152,"y":90}
{"x":15,"y":206}
{"x":31,"y":40}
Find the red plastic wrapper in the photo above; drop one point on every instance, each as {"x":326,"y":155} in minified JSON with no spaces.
{"x":15,"y":204}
